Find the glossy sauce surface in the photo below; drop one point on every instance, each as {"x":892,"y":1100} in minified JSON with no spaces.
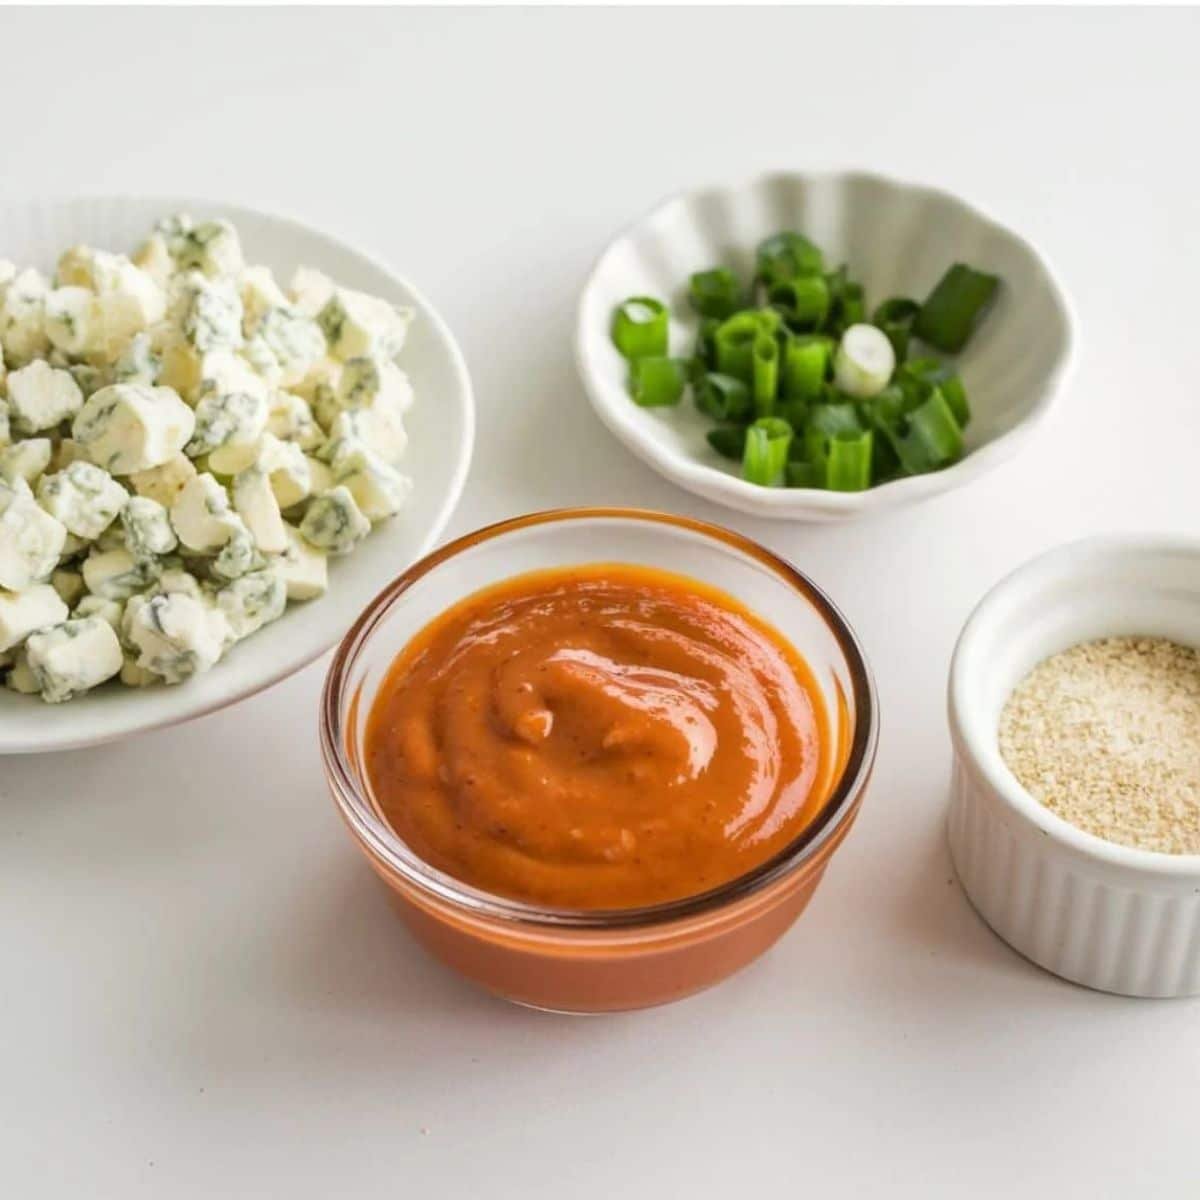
{"x":605,"y":736}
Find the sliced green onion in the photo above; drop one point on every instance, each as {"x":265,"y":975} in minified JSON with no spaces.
{"x":848,"y":463}
{"x":728,"y":441}
{"x":766,"y":374}
{"x":804,"y":391}
{"x":706,"y":342}
{"x":885,"y":414}
{"x":658,"y":382}
{"x":724,"y":398}
{"x":896,"y":308}
{"x":795,"y":413}
{"x":895,"y":317}
{"x":806,"y":366}
{"x":641,"y":327}
{"x":886,"y":411}
{"x":933,"y":439}
{"x":769,"y":321}
{"x":854,"y":306}
{"x":826,"y":422}
{"x":837,"y":281}
{"x":924,"y":436}
{"x":922,"y":366}
{"x":885,"y":463}
{"x":942,"y":376}
{"x":864,"y":361}
{"x":803,"y":302}
{"x":846,"y":303}
{"x":954,"y":393}
{"x":913,"y":387}
{"x":954,"y":308}
{"x":788,"y":256}
{"x":735,"y":340}
{"x":766,"y":453}
{"x":715,"y":293}
{"x":835,"y":418}
{"x":804,"y":475}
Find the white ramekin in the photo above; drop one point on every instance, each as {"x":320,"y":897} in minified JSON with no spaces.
{"x":1106,"y":916}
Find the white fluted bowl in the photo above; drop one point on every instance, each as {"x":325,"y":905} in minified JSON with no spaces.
{"x":898,"y":239}
{"x":441,"y":429}
{"x":1111,"y":917}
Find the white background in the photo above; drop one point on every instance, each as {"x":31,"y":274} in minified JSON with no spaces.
{"x":202,"y":990}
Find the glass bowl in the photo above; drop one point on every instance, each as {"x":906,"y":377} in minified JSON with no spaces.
{"x":571,"y":960}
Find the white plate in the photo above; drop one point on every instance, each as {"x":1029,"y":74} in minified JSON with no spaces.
{"x":897,"y":239}
{"x":441,"y":427}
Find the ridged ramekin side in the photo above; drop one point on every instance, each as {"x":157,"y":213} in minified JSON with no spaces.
{"x":1067,"y":914}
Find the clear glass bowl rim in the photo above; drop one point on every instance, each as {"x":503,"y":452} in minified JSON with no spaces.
{"x":383,"y":844}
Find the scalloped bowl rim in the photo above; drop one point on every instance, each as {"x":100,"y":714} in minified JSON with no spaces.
{"x":614,"y":408}
{"x":71,"y":735}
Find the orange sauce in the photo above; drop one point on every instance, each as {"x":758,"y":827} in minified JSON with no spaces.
{"x":605,"y":736}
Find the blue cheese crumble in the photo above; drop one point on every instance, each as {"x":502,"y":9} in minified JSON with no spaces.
{"x":185,"y":443}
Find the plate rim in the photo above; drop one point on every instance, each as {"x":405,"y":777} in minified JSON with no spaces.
{"x":427,"y":540}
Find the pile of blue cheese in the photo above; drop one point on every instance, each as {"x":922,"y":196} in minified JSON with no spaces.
{"x":183,"y":444}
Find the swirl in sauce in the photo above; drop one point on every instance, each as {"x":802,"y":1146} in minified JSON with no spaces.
{"x":597,"y":737}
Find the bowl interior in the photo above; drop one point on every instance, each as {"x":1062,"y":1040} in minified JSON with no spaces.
{"x":769,"y":588}
{"x":897,"y":239}
{"x":1097,"y":588}
{"x":440,"y":426}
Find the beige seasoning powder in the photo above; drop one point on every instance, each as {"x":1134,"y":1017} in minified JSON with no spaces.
{"x":1107,"y":735}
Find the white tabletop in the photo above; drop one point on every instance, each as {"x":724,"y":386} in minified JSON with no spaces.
{"x":203,"y":991}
